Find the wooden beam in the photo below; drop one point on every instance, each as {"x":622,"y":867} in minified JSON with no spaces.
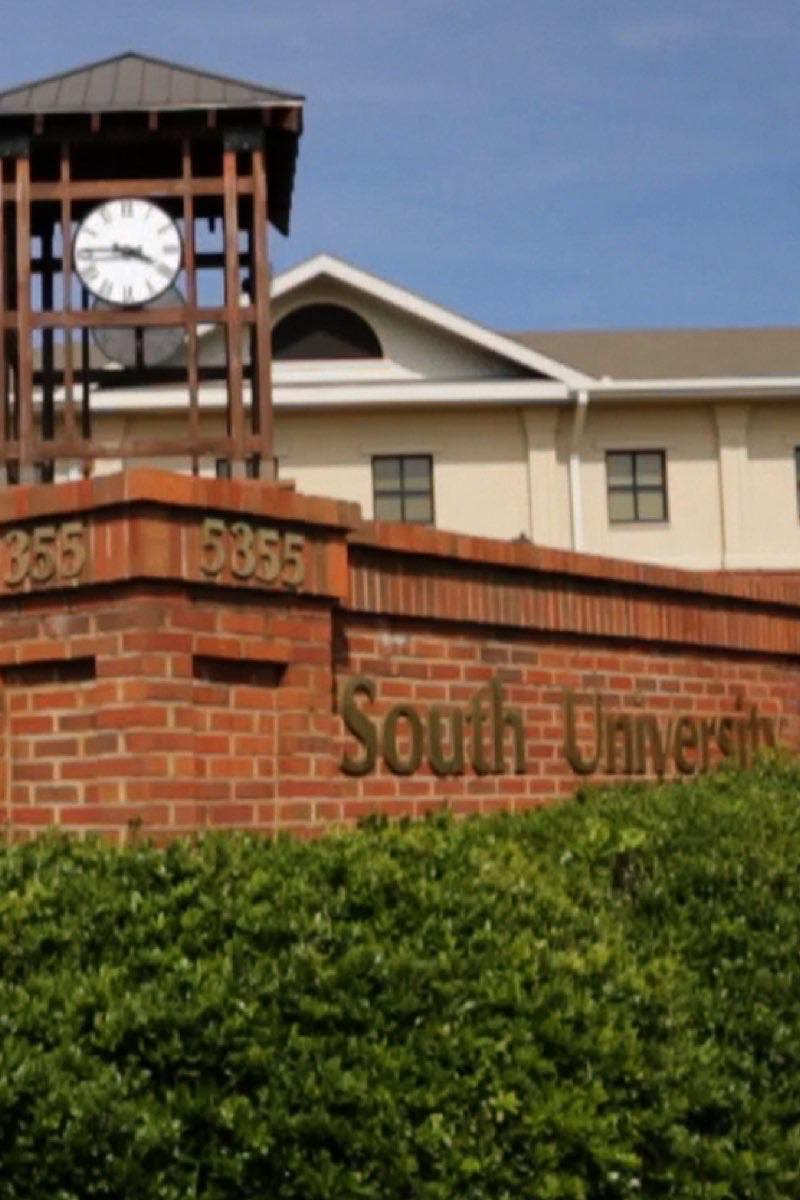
{"x":66,"y":300}
{"x":91,"y":449}
{"x":23,"y":314}
{"x":233,"y":328}
{"x":48,"y":412}
{"x":4,"y":431}
{"x":289,"y":118}
{"x":191,"y":301}
{"x":86,"y":396}
{"x":96,"y":189}
{"x":133,"y":318}
{"x":113,"y":378}
{"x":202,"y":259}
{"x":261,"y":370}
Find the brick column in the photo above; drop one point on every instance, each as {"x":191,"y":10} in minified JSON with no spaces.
{"x":165,"y":655}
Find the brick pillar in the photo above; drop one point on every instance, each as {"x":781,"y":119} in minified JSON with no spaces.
{"x":165,"y":655}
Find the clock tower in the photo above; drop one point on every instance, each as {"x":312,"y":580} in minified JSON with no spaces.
{"x":136,"y":198}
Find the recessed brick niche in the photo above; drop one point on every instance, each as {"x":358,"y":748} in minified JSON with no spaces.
{"x":179,"y":654}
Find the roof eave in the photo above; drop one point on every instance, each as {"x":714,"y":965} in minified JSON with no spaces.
{"x":326,"y":265}
{"x":703,"y":387}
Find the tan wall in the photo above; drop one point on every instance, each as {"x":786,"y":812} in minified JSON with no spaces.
{"x":691,"y":535}
{"x":480,"y":478}
{"x":500,"y":473}
{"x":770,"y":522}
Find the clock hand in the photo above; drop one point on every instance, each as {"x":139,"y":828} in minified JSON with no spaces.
{"x":90,"y":252}
{"x":132,"y":252}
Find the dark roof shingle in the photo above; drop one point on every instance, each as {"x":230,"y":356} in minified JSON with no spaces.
{"x":131,"y":81}
{"x":673,"y":353}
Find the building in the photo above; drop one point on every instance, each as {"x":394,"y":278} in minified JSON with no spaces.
{"x":678,"y":447}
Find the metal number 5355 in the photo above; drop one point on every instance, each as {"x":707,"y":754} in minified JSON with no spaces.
{"x":44,"y":553}
{"x":252,"y":552}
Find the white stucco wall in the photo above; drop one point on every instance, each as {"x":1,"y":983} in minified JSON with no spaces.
{"x":501,"y":472}
{"x":770,"y":521}
{"x":691,"y":535}
{"x":480,"y":477}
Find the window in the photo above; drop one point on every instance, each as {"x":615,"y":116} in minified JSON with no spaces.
{"x":324,"y":331}
{"x":402,"y":487}
{"x":637,"y":485}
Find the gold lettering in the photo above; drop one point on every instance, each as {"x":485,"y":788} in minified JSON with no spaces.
{"x":572,"y":753}
{"x":480,"y":763}
{"x":619,"y":723}
{"x":501,"y":718}
{"x":391,"y":752}
{"x":648,"y":731}
{"x":687,"y":737}
{"x":725,"y":737}
{"x":443,"y":763}
{"x":359,"y":724}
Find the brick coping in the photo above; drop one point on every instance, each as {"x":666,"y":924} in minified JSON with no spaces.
{"x":155,"y":487}
{"x":421,"y":542}
{"x":150,"y":485}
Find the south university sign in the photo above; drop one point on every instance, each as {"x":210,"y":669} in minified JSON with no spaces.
{"x":488,"y":736}
{"x":180,"y":653}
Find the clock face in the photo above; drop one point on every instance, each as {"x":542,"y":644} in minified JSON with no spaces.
{"x":127,"y":252}
{"x":147,"y":346}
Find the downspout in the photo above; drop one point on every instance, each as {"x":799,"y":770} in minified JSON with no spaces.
{"x":575,"y":493}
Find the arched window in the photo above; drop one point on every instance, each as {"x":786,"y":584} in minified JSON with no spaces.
{"x":324,"y":331}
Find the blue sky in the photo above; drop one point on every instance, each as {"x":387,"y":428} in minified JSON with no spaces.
{"x":531,"y":163}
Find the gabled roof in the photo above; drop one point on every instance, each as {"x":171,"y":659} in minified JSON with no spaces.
{"x":129,"y":82}
{"x":326,"y":266}
{"x":626,"y":354}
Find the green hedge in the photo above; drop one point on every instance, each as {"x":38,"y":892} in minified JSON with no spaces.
{"x":599,"y":1000}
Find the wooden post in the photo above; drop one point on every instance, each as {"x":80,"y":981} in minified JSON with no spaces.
{"x":232,"y":307}
{"x":261,"y":369}
{"x":24,"y":349}
{"x":48,"y":418}
{"x":3,"y":332}
{"x":191,"y":302}
{"x":86,"y":410}
{"x":66,"y":299}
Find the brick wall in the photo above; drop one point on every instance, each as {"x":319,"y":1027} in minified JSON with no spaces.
{"x":146,"y":696}
{"x":422,"y":663}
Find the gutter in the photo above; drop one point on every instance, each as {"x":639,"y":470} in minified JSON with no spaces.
{"x":722,"y":387}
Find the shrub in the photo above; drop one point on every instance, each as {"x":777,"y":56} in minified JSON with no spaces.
{"x":597,"y":1000}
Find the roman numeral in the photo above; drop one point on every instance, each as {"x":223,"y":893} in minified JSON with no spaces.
{"x":105,"y":213}
{"x":166,"y":228}
{"x":127,"y":294}
{"x":105,"y":289}
{"x":91,"y":272}
{"x":126,"y":208}
{"x":170,"y":248}
{"x":164,"y":270}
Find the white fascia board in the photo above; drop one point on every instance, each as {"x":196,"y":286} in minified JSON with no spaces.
{"x":481,"y":391}
{"x":733,"y":387}
{"x":401,"y":394}
{"x":424,"y":310}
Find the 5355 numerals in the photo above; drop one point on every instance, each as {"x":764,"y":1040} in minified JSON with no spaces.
{"x":252,"y":552}
{"x":44,"y":553}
